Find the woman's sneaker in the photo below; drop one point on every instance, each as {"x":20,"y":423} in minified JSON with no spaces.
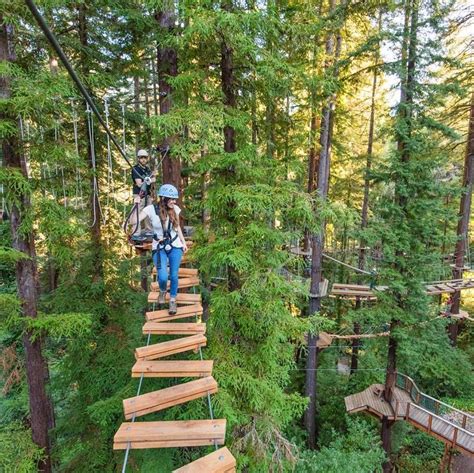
{"x":162,"y":297}
{"x":173,"y":308}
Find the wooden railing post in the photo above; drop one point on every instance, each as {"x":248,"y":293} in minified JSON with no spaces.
{"x":455,"y":436}
{"x":407,"y":411}
{"x":464,"y":420}
{"x":430,"y":421}
{"x":396,"y":409}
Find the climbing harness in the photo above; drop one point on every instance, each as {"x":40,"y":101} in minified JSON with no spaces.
{"x":166,"y":243}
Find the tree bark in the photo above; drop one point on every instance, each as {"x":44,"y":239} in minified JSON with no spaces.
{"x":229,"y":102}
{"x":463,"y":222}
{"x":41,"y":412}
{"x":386,"y":433}
{"x":167,"y":58}
{"x":317,"y":246}
{"x":227,"y":78}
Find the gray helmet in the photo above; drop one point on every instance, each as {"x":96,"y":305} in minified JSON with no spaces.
{"x":168,"y":190}
{"x":141,"y":153}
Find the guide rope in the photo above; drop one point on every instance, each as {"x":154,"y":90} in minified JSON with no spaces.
{"x":95,"y":190}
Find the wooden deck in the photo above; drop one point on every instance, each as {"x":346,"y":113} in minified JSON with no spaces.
{"x":372,"y":401}
{"x":403,"y":407}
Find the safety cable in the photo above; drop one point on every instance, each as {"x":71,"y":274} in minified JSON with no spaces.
{"x":211,"y":413}
{"x":362,"y":271}
{"x":57,"y":47}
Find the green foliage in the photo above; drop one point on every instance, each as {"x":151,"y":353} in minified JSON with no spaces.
{"x":420,"y":452}
{"x":90,"y":307}
{"x":357,"y":450}
{"x":18,"y":453}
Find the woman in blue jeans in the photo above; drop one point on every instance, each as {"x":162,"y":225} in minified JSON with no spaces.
{"x":168,"y":241}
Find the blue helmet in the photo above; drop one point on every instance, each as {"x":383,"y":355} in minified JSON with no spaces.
{"x":168,"y":190}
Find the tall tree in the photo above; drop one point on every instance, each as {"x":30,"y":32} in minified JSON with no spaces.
{"x":41,"y":413}
{"x":463,"y":222}
{"x":404,"y":135}
{"x":167,"y":68}
{"x":333,"y":48}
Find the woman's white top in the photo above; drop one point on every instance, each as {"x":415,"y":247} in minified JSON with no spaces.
{"x":149,"y":210}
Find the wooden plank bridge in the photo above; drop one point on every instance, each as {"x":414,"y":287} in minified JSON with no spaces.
{"x":450,"y":425}
{"x":150,"y":364}
{"x":360,"y":291}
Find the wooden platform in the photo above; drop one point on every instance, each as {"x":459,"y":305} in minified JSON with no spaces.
{"x":182,"y":312}
{"x":180,"y":298}
{"x":324,"y":340}
{"x":183,"y":283}
{"x":168,"y":397}
{"x":371,"y":400}
{"x":179,"y":328}
{"x":172,"y":368}
{"x":354,"y":291}
{"x":220,"y":461}
{"x":462,"y":315}
{"x":171,"y":347}
{"x":164,"y":434}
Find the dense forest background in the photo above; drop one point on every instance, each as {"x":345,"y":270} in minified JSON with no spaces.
{"x":336,"y":125}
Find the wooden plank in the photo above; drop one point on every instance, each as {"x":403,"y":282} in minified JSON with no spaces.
{"x":181,"y":298}
{"x":351,"y":292}
{"x":163,"y":434}
{"x":172,"y":368}
{"x":182,"y":283}
{"x":171,"y":347}
{"x":220,"y":461}
{"x":178,"y":328}
{"x":168,"y":397}
{"x":359,"y":287}
{"x":181,"y":313}
{"x":323,"y":287}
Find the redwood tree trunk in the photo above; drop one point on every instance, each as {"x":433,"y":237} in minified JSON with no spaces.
{"x":317,"y":246}
{"x":168,"y":67}
{"x":230,"y":102}
{"x":41,"y":413}
{"x":463,"y":223}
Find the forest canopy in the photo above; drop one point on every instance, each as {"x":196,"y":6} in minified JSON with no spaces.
{"x":322,"y":152}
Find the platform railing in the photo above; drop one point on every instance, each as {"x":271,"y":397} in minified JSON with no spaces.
{"x":449,"y":413}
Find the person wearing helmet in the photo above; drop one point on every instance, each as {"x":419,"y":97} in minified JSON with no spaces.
{"x":142,"y":178}
{"x":168,"y":241}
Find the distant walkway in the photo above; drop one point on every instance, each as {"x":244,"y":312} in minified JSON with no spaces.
{"x":446,"y":423}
